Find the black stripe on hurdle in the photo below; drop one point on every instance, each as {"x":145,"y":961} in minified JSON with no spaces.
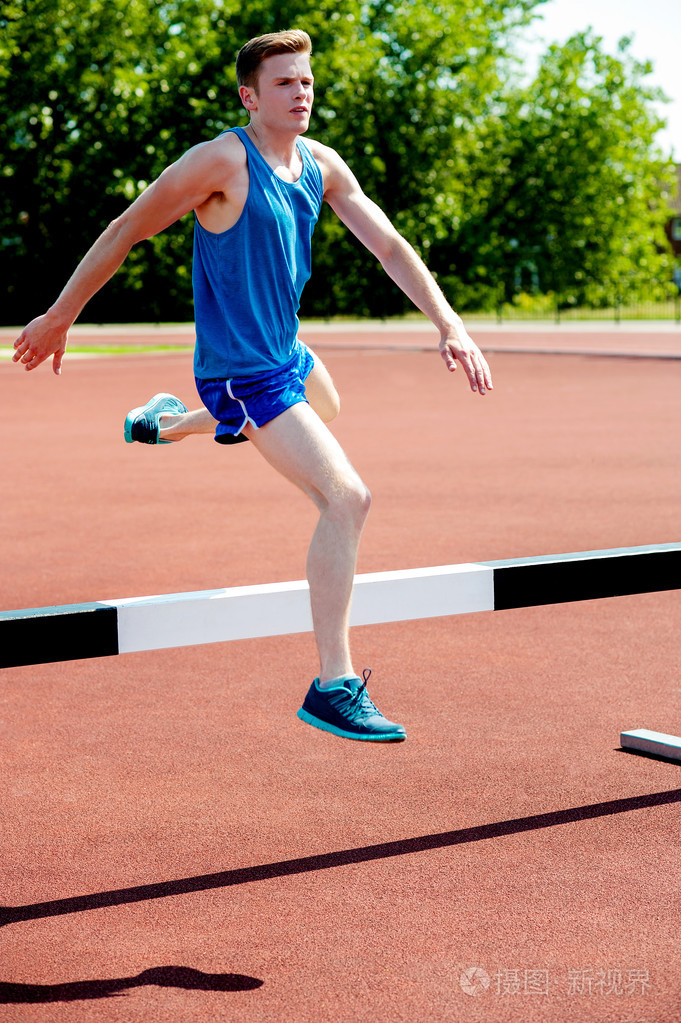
{"x":562,"y":578}
{"x":41,"y":635}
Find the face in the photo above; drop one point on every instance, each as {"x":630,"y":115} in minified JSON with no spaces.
{"x":284,"y":95}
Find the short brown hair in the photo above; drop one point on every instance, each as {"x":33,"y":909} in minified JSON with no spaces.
{"x":255,"y":51}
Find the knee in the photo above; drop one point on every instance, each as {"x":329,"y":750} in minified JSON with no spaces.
{"x":358,"y":502}
{"x":349,"y":503}
{"x":364,"y":501}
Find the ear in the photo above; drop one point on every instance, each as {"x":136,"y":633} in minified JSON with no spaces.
{"x":248,"y":97}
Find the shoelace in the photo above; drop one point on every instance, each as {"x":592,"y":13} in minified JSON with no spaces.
{"x":359,"y":704}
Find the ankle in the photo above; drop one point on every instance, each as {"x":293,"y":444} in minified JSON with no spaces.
{"x":170,"y":427}
{"x":336,"y":680}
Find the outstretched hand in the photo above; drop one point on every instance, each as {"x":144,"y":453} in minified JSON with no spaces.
{"x":458,"y":346}
{"x":38,"y":341}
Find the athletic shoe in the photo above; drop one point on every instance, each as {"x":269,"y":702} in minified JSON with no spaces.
{"x":346,"y":710}
{"x":141,"y":424}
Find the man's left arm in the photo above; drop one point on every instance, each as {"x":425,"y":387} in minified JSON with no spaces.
{"x":401,"y":262}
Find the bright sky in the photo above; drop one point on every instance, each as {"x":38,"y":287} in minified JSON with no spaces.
{"x":655,"y":26}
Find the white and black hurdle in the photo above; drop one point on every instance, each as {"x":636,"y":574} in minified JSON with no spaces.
{"x":104,"y":628}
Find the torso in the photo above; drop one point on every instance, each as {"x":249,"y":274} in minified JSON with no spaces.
{"x":252,"y":253}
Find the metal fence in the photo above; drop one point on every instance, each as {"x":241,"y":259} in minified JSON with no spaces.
{"x":550,"y":308}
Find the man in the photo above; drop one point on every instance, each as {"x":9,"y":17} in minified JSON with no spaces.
{"x":256,"y":193}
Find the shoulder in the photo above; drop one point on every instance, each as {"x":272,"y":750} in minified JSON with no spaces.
{"x":209,"y":167}
{"x":335,"y":171}
{"x":226,"y":149}
{"x":226,"y":152}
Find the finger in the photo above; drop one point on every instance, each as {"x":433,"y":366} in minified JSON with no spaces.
{"x":471,"y":369}
{"x":21,"y":348}
{"x":483,"y":376}
{"x":480,"y":378}
{"x":32,"y":360}
{"x":56,"y":361}
{"x":449,"y":359}
{"x":484,"y":373}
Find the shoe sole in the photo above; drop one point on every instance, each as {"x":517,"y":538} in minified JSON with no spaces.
{"x":310,"y":719}
{"x":134,"y":413}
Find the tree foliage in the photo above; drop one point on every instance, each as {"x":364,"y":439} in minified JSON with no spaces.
{"x":496,"y":184}
{"x":569,"y":196}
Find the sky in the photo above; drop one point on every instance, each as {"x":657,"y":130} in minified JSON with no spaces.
{"x":655,"y":26}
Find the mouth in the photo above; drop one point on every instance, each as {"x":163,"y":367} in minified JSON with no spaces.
{"x":300,"y":110}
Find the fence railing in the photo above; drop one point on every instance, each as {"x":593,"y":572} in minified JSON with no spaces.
{"x":550,"y":308}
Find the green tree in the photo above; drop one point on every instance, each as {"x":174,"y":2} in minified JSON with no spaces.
{"x":569,"y":197}
{"x":495,"y":185}
{"x":100,"y":95}
{"x":404,"y":101}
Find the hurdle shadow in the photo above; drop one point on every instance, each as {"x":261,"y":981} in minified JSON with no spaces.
{"x":325,"y":861}
{"x":162,"y":976}
{"x":647,"y":755}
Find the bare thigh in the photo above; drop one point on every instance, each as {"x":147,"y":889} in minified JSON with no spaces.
{"x":320,"y":391}
{"x":299,"y":446}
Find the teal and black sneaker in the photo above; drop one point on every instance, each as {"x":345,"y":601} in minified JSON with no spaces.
{"x":141,"y":424}
{"x":347,"y":710}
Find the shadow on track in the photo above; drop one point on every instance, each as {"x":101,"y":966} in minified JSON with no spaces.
{"x":343,"y":858}
{"x":162,"y":976}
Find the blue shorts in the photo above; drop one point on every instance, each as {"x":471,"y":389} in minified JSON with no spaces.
{"x":256,"y":399}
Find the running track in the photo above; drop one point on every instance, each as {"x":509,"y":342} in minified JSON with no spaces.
{"x":187,"y":850}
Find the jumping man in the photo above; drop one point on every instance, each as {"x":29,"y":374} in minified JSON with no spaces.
{"x":257,"y":193}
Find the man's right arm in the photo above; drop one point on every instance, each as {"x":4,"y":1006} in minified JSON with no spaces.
{"x":182,"y":187}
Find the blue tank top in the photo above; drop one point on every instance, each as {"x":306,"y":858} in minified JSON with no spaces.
{"x":248,"y":280}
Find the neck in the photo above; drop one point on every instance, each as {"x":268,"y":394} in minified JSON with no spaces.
{"x":281,"y":145}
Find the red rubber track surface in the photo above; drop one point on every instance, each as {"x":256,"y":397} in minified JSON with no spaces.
{"x":294,"y":876}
